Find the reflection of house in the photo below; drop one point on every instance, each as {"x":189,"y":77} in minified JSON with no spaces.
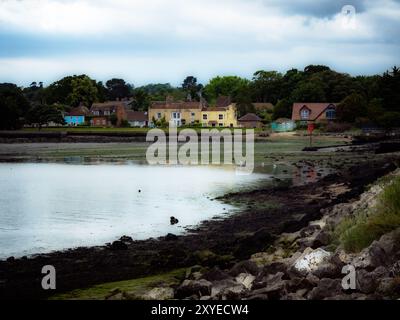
{"x":175,"y":113}
{"x":103,"y":113}
{"x":250,"y":120}
{"x":137,"y":118}
{"x":222,"y":115}
{"x":318,"y":112}
{"x":76,"y":116}
{"x":283,"y":125}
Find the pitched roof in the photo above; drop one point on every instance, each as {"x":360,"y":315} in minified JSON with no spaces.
{"x":223,"y":101}
{"x":250,"y":117}
{"x":176,"y":105}
{"x":79,"y":111}
{"x":136,"y":115}
{"x":316,"y":109}
{"x":259,"y":106}
{"x":108,"y":105}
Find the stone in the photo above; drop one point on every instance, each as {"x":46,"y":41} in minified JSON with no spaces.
{"x":171,"y":237}
{"x":159,"y":293}
{"x":328,"y":270}
{"x":126,"y":239}
{"x":227,"y":288}
{"x":310,"y":260}
{"x":193,"y":287}
{"x":326,"y":288}
{"x":173,"y":220}
{"x":215,"y":274}
{"x":118,"y":245}
{"x":246,"y":280}
{"x":246,"y":266}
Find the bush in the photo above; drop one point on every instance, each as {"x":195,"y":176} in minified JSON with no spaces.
{"x":338,"y":127}
{"x":357,"y":233}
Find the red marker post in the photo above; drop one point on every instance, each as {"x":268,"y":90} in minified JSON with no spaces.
{"x":310,"y":129}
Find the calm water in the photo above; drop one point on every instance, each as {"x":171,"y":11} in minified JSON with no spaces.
{"x":45,"y":207}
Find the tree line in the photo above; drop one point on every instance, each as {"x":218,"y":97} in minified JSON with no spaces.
{"x":362,"y":99}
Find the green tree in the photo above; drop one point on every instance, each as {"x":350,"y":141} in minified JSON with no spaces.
{"x":283,"y":109}
{"x":42,"y":114}
{"x":84,"y":90}
{"x":309,"y":91}
{"x":13,"y":106}
{"x":118,"y":89}
{"x":352,"y":107}
{"x":266,"y":86}
{"x":225,"y":86}
{"x":141,"y":100}
{"x":192,"y":88}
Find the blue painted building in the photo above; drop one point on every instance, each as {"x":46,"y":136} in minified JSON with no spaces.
{"x":76,"y":116}
{"x":283,"y":125}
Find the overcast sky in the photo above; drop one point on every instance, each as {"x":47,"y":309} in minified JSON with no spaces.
{"x":146,"y":41}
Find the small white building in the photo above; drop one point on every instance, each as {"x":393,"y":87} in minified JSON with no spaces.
{"x":137,"y":118}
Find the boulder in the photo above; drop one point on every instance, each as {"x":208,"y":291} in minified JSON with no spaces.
{"x":215,"y":274}
{"x":118,"y":245}
{"x":193,"y":287}
{"x":171,"y":237}
{"x":126,"y":239}
{"x":246,"y":266}
{"x":310,"y":260}
{"x":328,"y":270}
{"x":326,"y":288}
{"x":159,"y":293}
{"x":245,"y":279}
{"x":228,"y":289}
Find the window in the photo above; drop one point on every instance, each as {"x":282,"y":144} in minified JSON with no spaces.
{"x":106,"y":112}
{"x":305,"y":113}
{"x":204,"y":116}
{"x":183,"y":122}
{"x":96,"y":113}
{"x":193,"y":114}
{"x":176,"y":115}
{"x":331,"y":113}
{"x":221,"y":124}
{"x":158,"y":115}
{"x":221,"y":117}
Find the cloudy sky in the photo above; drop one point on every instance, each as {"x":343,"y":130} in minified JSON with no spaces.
{"x":146,"y":41}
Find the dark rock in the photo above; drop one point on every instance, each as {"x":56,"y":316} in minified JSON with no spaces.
{"x":275,"y":287}
{"x":257,"y":242}
{"x":257,"y":297}
{"x":118,"y":245}
{"x":171,"y":237}
{"x":246,"y":266}
{"x":215,"y":274}
{"x":328,"y":270}
{"x":326,"y":288}
{"x":10,"y":259}
{"x":173,"y":220}
{"x":193,"y":287}
{"x":366,"y":281}
{"x":126,"y":239}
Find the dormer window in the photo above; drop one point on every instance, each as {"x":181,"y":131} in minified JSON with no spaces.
{"x":305,"y":113}
{"x":330,"y":113}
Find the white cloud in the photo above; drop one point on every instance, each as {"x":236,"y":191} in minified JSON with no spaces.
{"x":204,"y":37}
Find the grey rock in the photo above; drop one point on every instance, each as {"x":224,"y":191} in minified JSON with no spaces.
{"x":193,"y":287}
{"x":325,"y":288}
{"x":246,"y":266}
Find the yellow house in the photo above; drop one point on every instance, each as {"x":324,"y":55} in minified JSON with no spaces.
{"x":175,"y":113}
{"x":219,"y":116}
{"x":222,"y":115}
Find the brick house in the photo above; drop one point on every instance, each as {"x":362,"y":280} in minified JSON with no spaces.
{"x":315,"y":112}
{"x":101,"y":113}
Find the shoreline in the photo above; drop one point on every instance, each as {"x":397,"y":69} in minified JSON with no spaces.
{"x":268,"y":213}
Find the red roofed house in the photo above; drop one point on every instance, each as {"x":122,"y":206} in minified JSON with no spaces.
{"x":316,"y":112}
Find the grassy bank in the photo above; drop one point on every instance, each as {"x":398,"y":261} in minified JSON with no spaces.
{"x":132,"y":289}
{"x":357,"y":233}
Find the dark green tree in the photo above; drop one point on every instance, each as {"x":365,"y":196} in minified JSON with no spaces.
{"x":13,"y":106}
{"x":192,"y":88}
{"x":118,"y":89}
{"x":352,"y":107}
{"x":42,"y":114}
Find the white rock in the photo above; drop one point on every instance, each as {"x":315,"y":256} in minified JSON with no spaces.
{"x":311,"y":259}
{"x":159,"y":293}
{"x":246,"y":280}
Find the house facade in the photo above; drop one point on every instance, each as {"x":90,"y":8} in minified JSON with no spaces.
{"x":250,"y":120}
{"x":102,"y":113}
{"x":137,"y":118}
{"x":222,"y":115}
{"x":175,"y":114}
{"x":283,"y":125}
{"x":76,"y":116}
{"x":314,"y":112}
